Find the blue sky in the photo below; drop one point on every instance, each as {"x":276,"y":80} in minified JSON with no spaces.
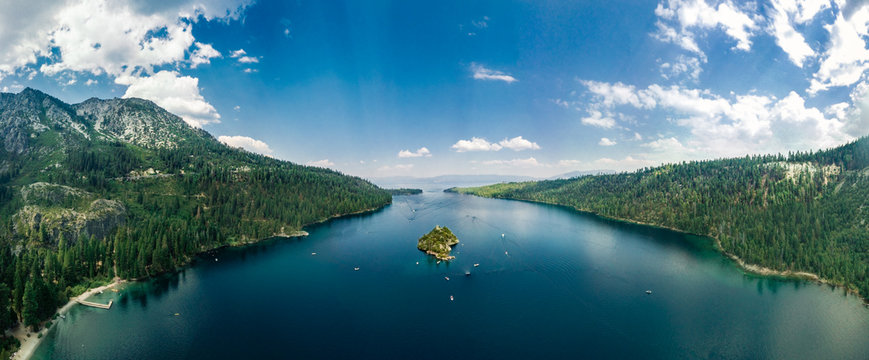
{"x":382,"y":88}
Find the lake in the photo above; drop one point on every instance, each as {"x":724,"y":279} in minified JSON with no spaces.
{"x":557,"y":284}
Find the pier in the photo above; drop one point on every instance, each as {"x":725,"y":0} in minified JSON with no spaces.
{"x":96,"y":305}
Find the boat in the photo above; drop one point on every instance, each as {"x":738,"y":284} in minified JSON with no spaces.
{"x":313,"y":253}
{"x":649,"y":292}
{"x":467,"y":273}
{"x":62,"y":316}
{"x":451,"y":298}
{"x":505,"y":253}
{"x":447,"y":277}
{"x":475,"y":265}
{"x":356,"y":269}
{"x":417,"y":262}
{"x":502,"y":236}
{"x":439,"y":261}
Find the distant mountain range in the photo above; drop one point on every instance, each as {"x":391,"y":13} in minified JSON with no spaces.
{"x":479,"y":179}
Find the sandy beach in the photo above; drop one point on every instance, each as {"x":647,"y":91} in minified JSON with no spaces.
{"x":29,"y":343}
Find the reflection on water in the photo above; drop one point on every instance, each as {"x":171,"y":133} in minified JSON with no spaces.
{"x":556,"y":284}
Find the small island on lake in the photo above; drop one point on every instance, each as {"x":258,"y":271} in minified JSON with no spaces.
{"x":404,"y":191}
{"x":437,"y":243}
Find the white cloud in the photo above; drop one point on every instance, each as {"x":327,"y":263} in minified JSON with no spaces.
{"x":237,"y":53}
{"x":90,"y":82}
{"x":203,"y":54}
{"x":785,"y":15}
{"x":846,"y":58}
{"x":479,"y":144}
{"x":734,"y":126}
{"x":684,"y":65}
{"x":248,"y":60}
{"x":247,"y":143}
{"x":529,"y":162}
{"x":321,"y":163}
{"x":175,"y":93}
{"x":518,"y":144}
{"x":606,"y":142}
{"x":482,"y":73}
{"x":689,"y":15}
{"x":421,"y":152}
{"x":596,"y":118}
{"x":236,"y":108}
{"x":475,"y":144}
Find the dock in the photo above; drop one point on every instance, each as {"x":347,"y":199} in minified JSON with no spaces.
{"x":96,"y":305}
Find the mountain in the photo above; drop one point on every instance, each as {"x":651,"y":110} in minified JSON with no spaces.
{"x":805,"y":214}
{"x":121,"y":187}
{"x":450,"y":180}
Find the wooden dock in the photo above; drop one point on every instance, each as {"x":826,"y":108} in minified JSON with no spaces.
{"x":96,"y":305}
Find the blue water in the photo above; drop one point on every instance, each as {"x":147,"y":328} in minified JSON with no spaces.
{"x":557,"y":284}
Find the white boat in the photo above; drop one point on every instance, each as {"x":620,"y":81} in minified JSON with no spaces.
{"x":417,"y":262}
{"x":451,"y":298}
{"x":356,"y":269}
{"x":475,"y":265}
{"x":502,"y":236}
{"x":649,"y":292}
{"x":505,"y":253}
{"x":447,"y":277}
{"x":313,"y":253}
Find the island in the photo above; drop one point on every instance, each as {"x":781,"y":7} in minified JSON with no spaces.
{"x":437,"y":243}
{"x":404,"y":191}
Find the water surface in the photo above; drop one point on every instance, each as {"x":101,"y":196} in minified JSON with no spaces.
{"x":557,"y":284}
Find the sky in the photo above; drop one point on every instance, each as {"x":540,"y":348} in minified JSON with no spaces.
{"x":413,"y":88}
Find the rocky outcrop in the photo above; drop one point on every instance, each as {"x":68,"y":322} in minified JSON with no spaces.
{"x":98,"y":220}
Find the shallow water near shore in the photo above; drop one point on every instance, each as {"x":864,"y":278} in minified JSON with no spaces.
{"x":556,"y":284}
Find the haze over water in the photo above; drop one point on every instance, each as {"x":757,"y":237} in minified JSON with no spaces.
{"x":557,"y":284}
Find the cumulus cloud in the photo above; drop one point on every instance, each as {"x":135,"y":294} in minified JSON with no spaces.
{"x":175,"y":93}
{"x":421,"y":152}
{"x":479,"y":144}
{"x":321,"y":163}
{"x":123,"y":39}
{"x":734,"y":125}
{"x":606,"y":142}
{"x":242,"y":57}
{"x":203,"y":54}
{"x":247,"y":143}
{"x":678,"y":19}
{"x":597,"y":118}
{"x":483,"y":73}
{"x":846,"y":57}
{"x":475,"y":144}
{"x":518,"y":144}
{"x":785,"y":15}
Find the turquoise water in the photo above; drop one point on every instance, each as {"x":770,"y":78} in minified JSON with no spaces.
{"x":557,"y":284}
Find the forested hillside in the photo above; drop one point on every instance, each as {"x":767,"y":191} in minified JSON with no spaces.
{"x":123,"y":188}
{"x":805,"y":212}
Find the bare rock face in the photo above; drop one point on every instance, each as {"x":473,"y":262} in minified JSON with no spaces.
{"x":58,"y":210}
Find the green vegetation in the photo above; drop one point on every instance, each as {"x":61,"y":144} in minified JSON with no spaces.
{"x":404,"y":191}
{"x":76,"y":210}
{"x":437,"y":243}
{"x":805,"y":212}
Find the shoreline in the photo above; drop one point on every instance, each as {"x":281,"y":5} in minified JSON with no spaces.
{"x":741,"y":264}
{"x":31,"y":342}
